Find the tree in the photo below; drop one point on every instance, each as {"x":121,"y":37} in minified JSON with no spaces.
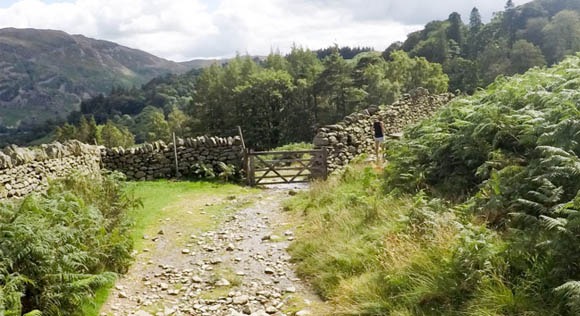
{"x":66,"y":132}
{"x":509,"y":5}
{"x":562,"y":36}
{"x":398,"y":45}
{"x":370,"y":76}
{"x":533,"y":31}
{"x":455,"y":29}
{"x":263,"y":104}
{"x":151,"y":125}
{"x":83,"y":131}
{"x":475,"y":23}
{"x":304,"y":67}
{"x":276,"y":61}
{"x":525,"y":55}
{"x":463,"y":75}
{"x":435,"y":48}
{"x":494,"y":61}
{"x":410,"y":73}
{"x":473,"y":37}
{"x":427,"y":75}
{"x":112,"y":136}
{"x":177,"y":121}
{"x":93,"y":135}
{"x":335,"y":86}
{"x":303,"y":64}
{"x":508,"y":23}
{"x":208,"y":107}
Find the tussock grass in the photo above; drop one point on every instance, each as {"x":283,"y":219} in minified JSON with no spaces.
{"x":369,"y":253}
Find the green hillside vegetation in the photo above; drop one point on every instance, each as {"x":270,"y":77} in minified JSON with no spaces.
{"x":476,"y":212}
{"x":534,"y":34}
{"x":280,"y":100}
{"x":57,"y":248}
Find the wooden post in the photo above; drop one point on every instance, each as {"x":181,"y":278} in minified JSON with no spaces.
{"x":177,"y":174}
{"x":251,"y":171}
{"x":245,"y":164}
{"x":324,"y":163}
{"x":241,"y":137}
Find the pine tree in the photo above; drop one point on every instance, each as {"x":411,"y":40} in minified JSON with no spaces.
{"x":475,"y":21}
{"x":509,"y":5}
{"x":509,"y":22}
{"x":83,"y":130}
{"x":454,"y":32}
{"x":473,"y":40}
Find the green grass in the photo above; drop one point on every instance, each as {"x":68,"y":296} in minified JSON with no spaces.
{"x":174,"y":203}
{"x":369,"y":253}
{"x":173,"y":199}
{"x":92,"y":308}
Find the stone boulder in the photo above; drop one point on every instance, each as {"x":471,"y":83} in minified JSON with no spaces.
{"x":55,"y":150}
{"x":5,"y":161}
{"x":19,"y":155}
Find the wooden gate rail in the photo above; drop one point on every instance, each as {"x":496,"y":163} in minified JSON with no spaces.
{"x":297,"y":169}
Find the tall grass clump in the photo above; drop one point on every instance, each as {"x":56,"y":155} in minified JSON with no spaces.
{"x":477,"y":213}
{"x":57,"y":248}
{"x":376,"y":254}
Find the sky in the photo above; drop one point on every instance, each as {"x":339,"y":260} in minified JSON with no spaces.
{"x":182,"y":30}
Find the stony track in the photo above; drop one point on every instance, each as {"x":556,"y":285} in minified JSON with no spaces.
{"x":242,"y":268}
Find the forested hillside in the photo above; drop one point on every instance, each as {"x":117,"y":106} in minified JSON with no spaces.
{"x":538,"y":33}
{"x":281,"y":99}
{"x":45,"y":74}
{"x":277,"y":100}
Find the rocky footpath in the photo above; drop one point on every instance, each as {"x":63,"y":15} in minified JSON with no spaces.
{"x":240,"y":269}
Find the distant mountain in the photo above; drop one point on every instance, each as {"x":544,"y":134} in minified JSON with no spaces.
{"x":44,"y":74}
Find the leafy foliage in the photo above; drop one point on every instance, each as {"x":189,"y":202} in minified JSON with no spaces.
{"x":481,"y":214}
{"x":58,"y":247}
{"x":515,"y":40}
{"x":512,"y":153}
{"x":286,"y":99}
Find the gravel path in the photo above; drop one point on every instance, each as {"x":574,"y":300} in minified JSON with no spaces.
{"x":242,"y":268}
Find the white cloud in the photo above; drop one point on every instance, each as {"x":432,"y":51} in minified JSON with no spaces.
{"x":185,"y":29}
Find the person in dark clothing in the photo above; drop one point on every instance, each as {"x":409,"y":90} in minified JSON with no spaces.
{"x":379,"y":134}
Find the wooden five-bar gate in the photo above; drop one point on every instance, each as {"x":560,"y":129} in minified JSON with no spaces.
{"x":267,"y":167}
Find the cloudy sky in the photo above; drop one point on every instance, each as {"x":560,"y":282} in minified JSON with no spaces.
{"x":185,"y":29}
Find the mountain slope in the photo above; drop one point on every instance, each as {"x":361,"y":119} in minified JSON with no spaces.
{"x":44,"y":74}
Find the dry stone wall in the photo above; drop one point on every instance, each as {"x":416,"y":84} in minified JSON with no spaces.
{"x":354,"y":135}
{"x":157,"y":160}
{"x":24,"y":170}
